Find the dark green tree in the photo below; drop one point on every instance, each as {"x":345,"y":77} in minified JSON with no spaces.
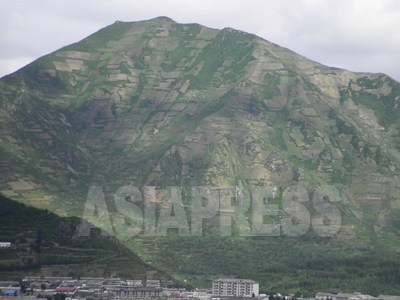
{"x":366,"y":151}
{"x":378,"y":156}
{"x":38,"y":241}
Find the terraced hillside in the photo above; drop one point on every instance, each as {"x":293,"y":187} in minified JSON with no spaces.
{"x":156,"y":103}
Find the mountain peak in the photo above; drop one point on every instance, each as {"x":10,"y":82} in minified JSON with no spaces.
{"x":164,"y":19}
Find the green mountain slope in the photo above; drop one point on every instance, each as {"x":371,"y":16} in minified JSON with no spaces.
{"x":156,"y":103}
{"x":46,"y":244}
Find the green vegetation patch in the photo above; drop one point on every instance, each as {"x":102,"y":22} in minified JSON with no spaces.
{"x":227,"y":45}
{"x":276,"y":138}
{"x":383,"y":106}
{"x":386,"y":108}
{"x":140,"y":87}
{"x":270,"y":88}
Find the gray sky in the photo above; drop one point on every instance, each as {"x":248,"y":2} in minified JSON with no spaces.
{"x":358,"y":35}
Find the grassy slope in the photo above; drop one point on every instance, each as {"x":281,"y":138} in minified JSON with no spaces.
{"x":302,"y":266}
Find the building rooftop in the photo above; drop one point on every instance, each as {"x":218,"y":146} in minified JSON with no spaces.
{"x":235,"y":280}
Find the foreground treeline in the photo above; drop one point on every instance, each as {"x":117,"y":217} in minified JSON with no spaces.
{"x":44,"y":243}
{"x":20,"y":223}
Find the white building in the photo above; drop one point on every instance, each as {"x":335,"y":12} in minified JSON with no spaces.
{"x":153,"y":283}
{"x":5,"y":244}
{"x":235,"y":287}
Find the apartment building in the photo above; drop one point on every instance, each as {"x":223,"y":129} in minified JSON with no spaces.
{"x":235,"y":287}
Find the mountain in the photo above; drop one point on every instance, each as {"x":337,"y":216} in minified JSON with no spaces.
{"x":157,"y":103}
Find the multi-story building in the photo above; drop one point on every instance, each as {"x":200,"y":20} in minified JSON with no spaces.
{"x":235,"y":287}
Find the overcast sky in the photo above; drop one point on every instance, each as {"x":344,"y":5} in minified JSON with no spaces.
{"x":358,"y":35}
